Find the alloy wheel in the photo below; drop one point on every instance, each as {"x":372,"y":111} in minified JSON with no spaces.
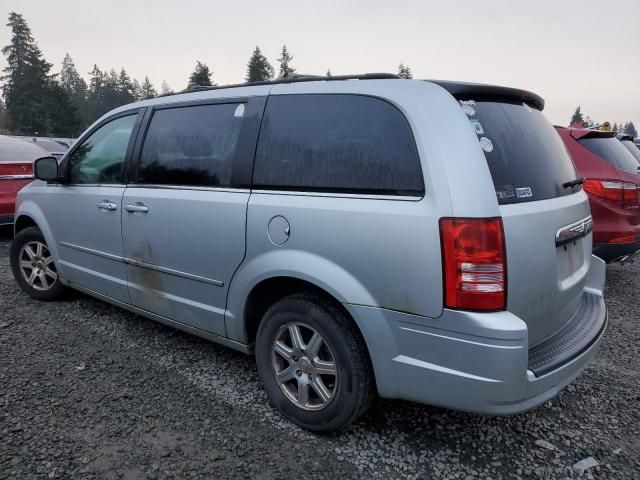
{"x":36,"y":266}
{"x":304,"y":366}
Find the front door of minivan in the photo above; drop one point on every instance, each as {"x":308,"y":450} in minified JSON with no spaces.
{"x":183,"y":220}
{"x":85,"y":216}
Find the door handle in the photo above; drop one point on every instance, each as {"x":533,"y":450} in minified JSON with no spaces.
{"x":106,"y":205}
{"x":136,"y":208}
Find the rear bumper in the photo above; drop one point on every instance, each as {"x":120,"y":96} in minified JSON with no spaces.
{"x":476,"y":362}
{"x":611,"y":252}
{"x":6,"y":219}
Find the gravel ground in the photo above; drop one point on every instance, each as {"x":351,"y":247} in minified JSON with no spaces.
{"x":90,"y":391}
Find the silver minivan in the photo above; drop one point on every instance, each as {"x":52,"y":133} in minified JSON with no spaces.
{"x":360,"y":235}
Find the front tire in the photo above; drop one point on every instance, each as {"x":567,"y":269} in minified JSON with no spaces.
{"x":33,"y":267}
{"x":313,"y":363}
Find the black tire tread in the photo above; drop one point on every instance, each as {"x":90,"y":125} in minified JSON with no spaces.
{"x":363,"y":371}
{"x":32,"y":233}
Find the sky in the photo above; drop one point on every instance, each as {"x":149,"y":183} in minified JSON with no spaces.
{"x":570,"y":52}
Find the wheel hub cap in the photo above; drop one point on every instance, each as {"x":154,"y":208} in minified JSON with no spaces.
{"x":305,"y":365}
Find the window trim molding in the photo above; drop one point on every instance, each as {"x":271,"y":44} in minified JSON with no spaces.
{"x":322,"y":191}
{"x":362,"y":196}
{"x":159,"y":186}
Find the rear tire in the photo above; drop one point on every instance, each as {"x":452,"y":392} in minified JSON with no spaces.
{"x":33,"y":267}
{"x":323,"y":380}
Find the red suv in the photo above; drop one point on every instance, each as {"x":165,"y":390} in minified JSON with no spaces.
{"x":16,"y":170}
{"x":612,"y":179}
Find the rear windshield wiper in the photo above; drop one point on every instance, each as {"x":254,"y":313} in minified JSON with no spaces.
{"x":573,"y":183}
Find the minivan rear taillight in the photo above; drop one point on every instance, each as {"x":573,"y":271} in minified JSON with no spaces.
{"x":612,"y":190}
{"x":474,"y":263}
{"x":16,"y":171}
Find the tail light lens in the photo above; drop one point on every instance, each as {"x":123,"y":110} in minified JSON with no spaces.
{"x":474,"y":263}
{"x":625,"y":192}
{"x":624,"y":239}
{"x":16,"y":171}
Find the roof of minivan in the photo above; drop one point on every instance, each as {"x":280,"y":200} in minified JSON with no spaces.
{"x":457,"y":89}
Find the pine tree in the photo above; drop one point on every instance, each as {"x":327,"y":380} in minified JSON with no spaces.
{"x":285,"y":69}
{"x":26,"y":79}
{"x":147,"y":89}
{"x":3,"y":117}
{"x":404,"y":71}
{"x":577,"y":117}
{"x":19,"y":55}
{"x":328,"y":73}
{"x":136,"y":89}
{"x":630,"y":129}
{"x":615,"y":127}
{"x":623,"y":127}
{"x":201,"y":76}
{"x":70,"y":79}
{"x":258,"y":69}
{"x":108,"y":90}
{"x":64,"y":118}
{"x":113,"y":95}
{"x":75,"y":87}
{"x":165,"y":89}
{"x":96,"y":93}
{"x":125,"y":89}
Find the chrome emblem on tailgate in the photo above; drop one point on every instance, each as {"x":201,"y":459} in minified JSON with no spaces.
{"x":574,"y":231}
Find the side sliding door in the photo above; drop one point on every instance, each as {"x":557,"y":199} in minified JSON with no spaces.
{"x":184,"y":215}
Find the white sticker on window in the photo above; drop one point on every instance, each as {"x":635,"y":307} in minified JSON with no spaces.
{"x":239,"y":111}
{"x":486,"y":144}
{"x":477,"y":126}
{"x":524,"y":192}
{"x":505,"y":191}
{"x":467,"y":107}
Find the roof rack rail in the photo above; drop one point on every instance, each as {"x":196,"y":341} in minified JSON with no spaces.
{"x":298,"y":78}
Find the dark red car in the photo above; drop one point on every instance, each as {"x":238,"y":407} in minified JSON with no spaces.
{"x":16,"y":170}
{"x":612,"y":179}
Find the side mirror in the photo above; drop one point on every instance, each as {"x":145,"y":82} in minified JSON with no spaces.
{"x":46,"y":168}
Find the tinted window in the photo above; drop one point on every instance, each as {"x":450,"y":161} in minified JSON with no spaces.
{"x":100,"y":158}
{"x":611,"y":150}
{"x":526,"y":156}
{"x":633,"y":148}
{"x":191,"y":145}
{"x":336,"y":143}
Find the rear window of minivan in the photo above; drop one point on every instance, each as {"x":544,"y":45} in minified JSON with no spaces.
{"x":527,"y":158}
{"x":611,"y":150}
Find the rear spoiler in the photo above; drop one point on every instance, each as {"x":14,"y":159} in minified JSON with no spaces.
{"x":624,"y":136}
{"x":580,"y":133}
{"x":479,"y":91}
